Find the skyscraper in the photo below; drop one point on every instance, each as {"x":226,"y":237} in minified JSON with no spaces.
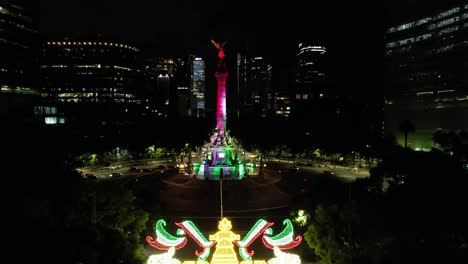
{"x":147,"y":83}
{"x":256,"y":97}
{"x":165,"y":85}
{"x":310,"y":88}
{"x":197,"y":88}
{"x":183,"y":84}
{"x":259,"y":85}
{"x":19,"y":42}
{"x":173,"y":87}
{"x":425,"y":71}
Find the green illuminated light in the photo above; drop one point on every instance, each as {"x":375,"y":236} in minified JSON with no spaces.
{"x":241,"y":171}
{"x":201,"y":170}
{"x":301,"y":218}
{"x":196,"y":166}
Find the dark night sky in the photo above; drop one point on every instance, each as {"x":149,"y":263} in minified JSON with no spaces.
{"x":188,"y":25}
{"x":352,"y":30}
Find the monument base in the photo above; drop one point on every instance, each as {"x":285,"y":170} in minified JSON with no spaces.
{"x":219,"y":172}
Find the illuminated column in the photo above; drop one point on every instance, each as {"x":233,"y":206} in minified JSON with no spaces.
{"x":221,"y":75}
{"x":221,"y":101}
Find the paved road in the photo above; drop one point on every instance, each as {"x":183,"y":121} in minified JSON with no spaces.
{"x":345,"y":174}
{"x":183,"y":194}
{"x":341,"y":173}
{"x":104,"y":172}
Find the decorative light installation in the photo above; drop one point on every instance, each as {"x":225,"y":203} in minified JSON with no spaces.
{"x":164,"y":240}
{"x":283,"y":240}
{"x":224,"y":242}
{"x":189,"y":228}
{"x":224,"y":238}
{"x":165,"y":258}
{"x":258,"y":229}
{"x":281,"y":257}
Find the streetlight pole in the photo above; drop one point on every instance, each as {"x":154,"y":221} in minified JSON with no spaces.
{"x":221,"y":194}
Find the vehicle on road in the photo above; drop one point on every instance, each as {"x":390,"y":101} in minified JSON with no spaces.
{"x":146,"y":170}
{"x":133,"y":169}
{"x":293,"y":169}
{"x":90,"y":176}
{"x":113,"y":167}
{"x":168,"y":169}
{"x":327,"y":172}
{"x":115,"y":175}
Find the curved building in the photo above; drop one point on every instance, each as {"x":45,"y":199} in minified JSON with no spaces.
{"x":88,"y":71}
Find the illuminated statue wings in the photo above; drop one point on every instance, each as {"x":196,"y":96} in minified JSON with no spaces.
{"x":218,"y":45}
{"x":220,"y":48}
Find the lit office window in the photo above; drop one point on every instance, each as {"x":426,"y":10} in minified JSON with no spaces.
{"x":50,"y":120}
{"x":448,"y":13}
{"x":443,"y":23}
{"x":423,"y":21}
{"x":448,"y":30}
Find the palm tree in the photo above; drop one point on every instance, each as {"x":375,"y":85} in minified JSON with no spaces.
{"x":406,"y":127}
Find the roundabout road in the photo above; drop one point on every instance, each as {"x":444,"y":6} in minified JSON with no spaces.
{"x":105,"y":172}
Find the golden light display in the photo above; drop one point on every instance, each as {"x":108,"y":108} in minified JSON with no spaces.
{"x":224,"y":238}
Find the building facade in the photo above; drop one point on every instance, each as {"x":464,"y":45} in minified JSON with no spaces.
{"x":173,"y":87}
{"x":19,"y":43}
{"x":197,"y":88}
{"x":282,"y":104}
{"x":311,"y":82}
{"x":183,"y":84}
{"x":425,"y":74}
{"x":261,"y":94}
{"x":254,"y":87}
{"x":89,"y":75}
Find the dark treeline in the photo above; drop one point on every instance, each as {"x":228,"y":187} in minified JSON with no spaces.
{"x":411,"y":209}
{"x":303,"y":134}
{"x":94,"y":135}
{"x":54,"y":215}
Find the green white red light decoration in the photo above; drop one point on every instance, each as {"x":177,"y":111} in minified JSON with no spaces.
{"x":164,"y":240}
{"x":283,"y":240}
{"x":189,"y":228}
{"x":170,"y":243}
{"x":259,"y":228}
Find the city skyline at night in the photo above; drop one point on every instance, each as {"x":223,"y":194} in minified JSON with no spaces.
{"x":135,"y":132}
